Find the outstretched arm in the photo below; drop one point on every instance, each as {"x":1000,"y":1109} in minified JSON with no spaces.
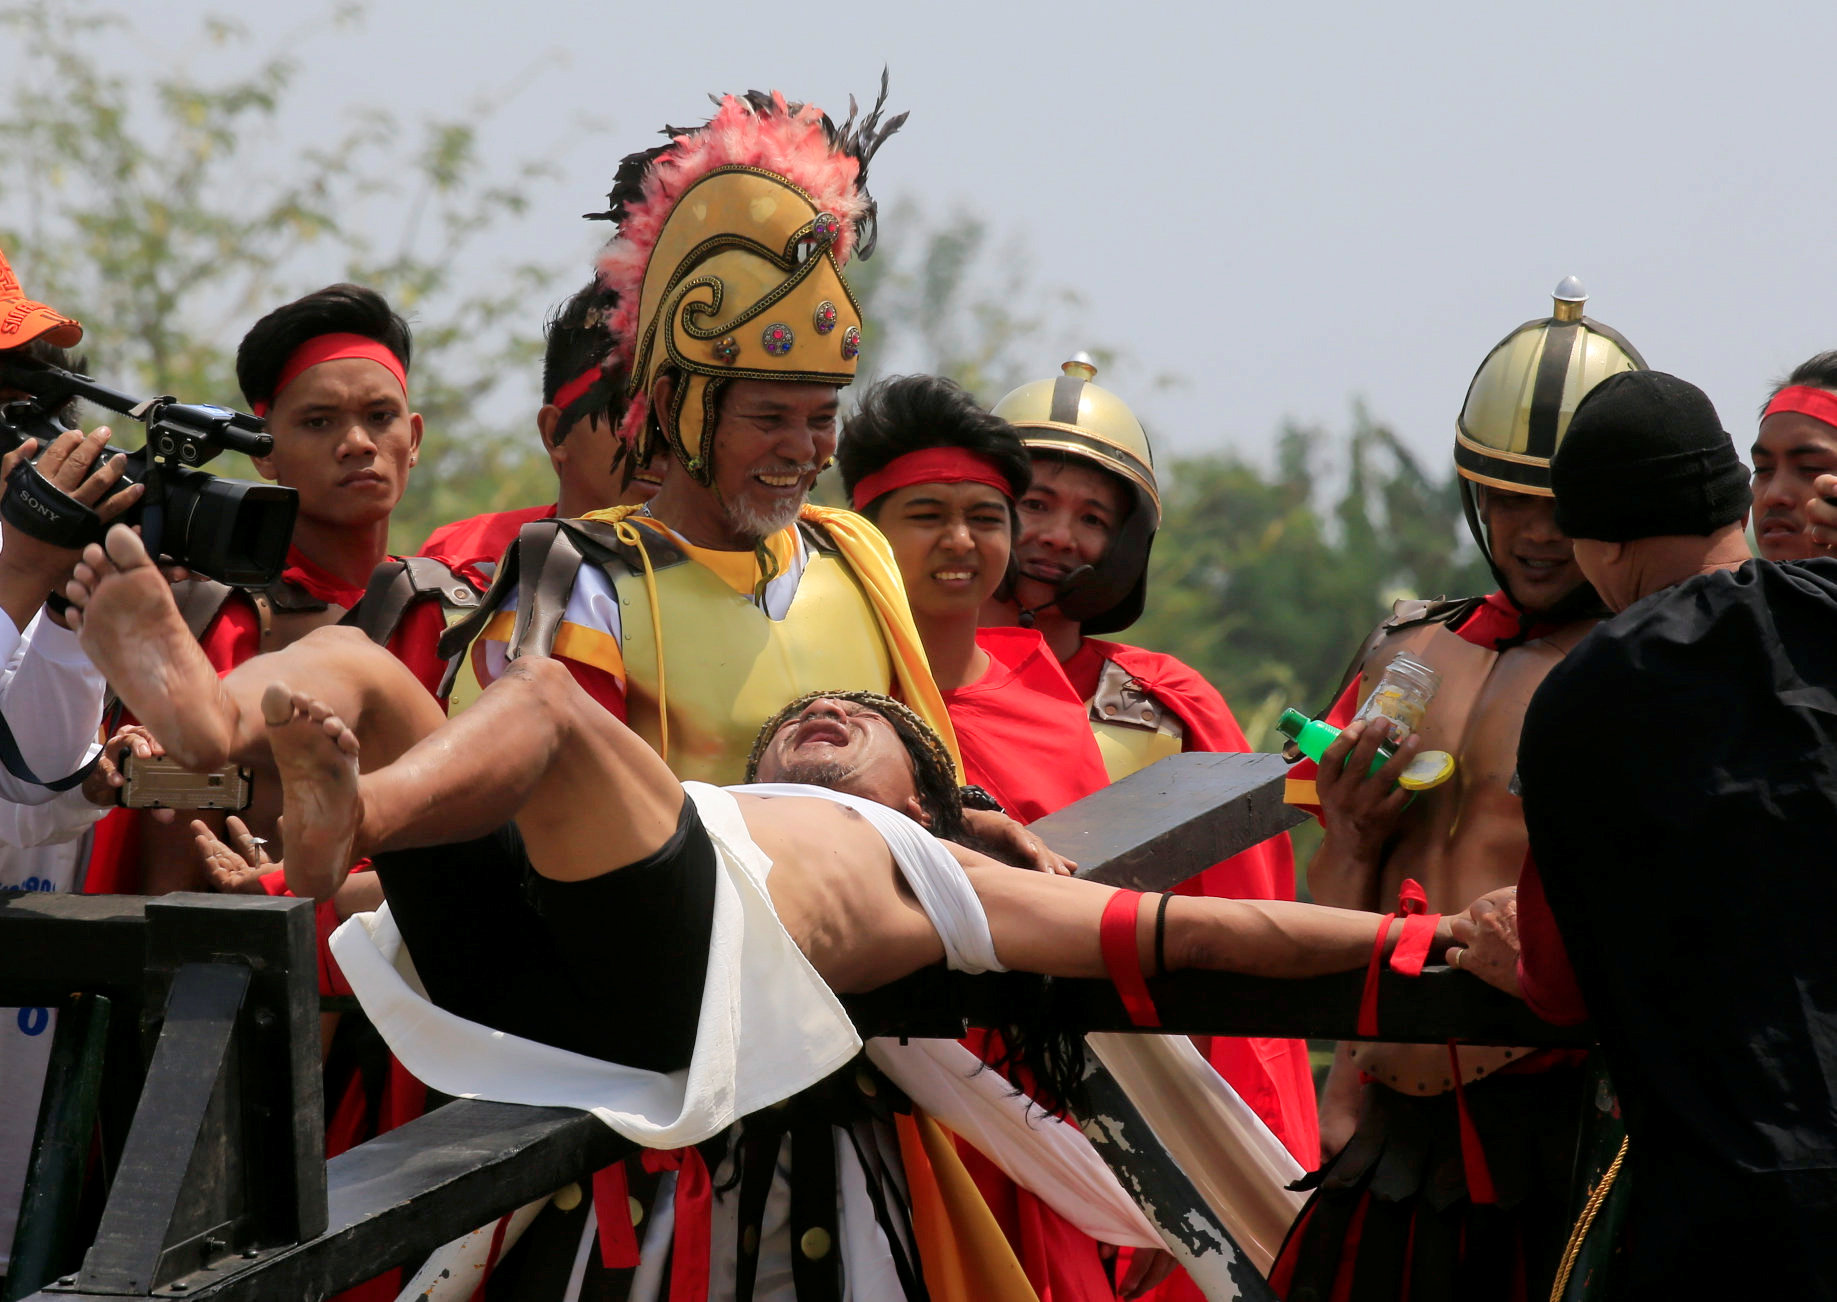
{"x":1050,"y":925}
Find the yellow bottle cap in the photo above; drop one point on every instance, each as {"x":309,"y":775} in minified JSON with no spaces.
{"x":1429,"y":769}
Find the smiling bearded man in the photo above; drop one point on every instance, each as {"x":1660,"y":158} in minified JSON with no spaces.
{"x":694,"y":617}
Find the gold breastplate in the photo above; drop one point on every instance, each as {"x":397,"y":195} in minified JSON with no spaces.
{"x":1466,"y":837}
{"x":1132,"y":728}
{"x":728,"y":668}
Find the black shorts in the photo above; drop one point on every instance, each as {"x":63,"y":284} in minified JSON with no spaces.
{"x":612,"y":966}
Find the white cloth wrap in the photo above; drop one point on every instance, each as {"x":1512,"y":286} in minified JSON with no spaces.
{"x":769,"y":1025}
{"x":935,"y":877}
{"x":769,"y":1028}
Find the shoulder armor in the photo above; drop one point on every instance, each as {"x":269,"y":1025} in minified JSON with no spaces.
{"x":1407,"y":613}
{"x":540,"y":567}
{"x":817,"y":538}
{"x":397,"y":584}
{"x":1119,"y":699}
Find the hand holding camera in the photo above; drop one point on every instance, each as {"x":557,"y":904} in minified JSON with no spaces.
{"x":73,"y":463}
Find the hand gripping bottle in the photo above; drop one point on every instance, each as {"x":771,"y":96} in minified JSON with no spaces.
{"x":1312,"y":736}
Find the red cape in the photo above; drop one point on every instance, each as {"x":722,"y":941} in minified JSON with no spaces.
{"x":465,"y":545}
{"x":1021,"y":709}
{"x":1273,"y":1075}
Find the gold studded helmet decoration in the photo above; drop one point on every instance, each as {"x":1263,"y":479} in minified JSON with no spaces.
{"x":1520,"y":401}
{"x":728,"y":261}
{"x":1069,"y":416}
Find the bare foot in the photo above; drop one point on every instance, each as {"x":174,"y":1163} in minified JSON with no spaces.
{"x":127,"y":622}
{"x":317,"y":757}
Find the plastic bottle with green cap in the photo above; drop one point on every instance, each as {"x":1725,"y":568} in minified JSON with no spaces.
{"x":1313,"y":736}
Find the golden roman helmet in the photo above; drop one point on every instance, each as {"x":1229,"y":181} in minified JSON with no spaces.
{"x":743,"y":284}
{"x":1519,"y":404}
{"x":1070,"y":416}
{"x":727,"y":264}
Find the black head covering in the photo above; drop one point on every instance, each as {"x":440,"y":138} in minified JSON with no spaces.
{"x":1646,"y":456}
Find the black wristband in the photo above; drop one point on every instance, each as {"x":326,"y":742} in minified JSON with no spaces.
{"x":46,"y":512}
{"x":1161,"y":934}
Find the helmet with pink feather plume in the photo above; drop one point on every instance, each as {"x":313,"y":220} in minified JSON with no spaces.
{"x":727,"y":263}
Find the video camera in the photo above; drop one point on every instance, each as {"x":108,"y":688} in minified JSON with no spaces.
{"x":232,"y":530}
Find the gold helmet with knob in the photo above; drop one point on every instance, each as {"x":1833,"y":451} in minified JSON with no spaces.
{"x":1519,"y":404}
{"x":1069,"y":416}
{"x":1518,"y":408}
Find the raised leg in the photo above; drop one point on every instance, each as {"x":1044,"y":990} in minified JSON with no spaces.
{"x":129,"y":624}
{"x":587,"y":793}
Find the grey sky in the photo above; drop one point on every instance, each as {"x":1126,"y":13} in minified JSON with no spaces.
{"x":1290,"y":206}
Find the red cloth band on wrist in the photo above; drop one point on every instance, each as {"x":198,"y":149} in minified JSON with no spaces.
{"x":931,"y":466}
{"x":1408,"y":957}
{"x":335,"y":348}
{"x":1122,"y":957}
{"x":566,"y":395}
{"x":1819,"y":404}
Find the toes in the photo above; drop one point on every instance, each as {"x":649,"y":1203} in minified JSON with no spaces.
{"x":319,"y":711}
{"x":125,"y":548}
{"x":277,"y":704}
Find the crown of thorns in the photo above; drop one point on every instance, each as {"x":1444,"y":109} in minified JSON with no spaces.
{"x":933,"y":770}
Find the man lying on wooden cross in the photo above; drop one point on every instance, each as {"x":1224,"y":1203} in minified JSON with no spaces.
{"x":742,"y":908}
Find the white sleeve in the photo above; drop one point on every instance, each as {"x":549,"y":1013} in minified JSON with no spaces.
{"x":64,"y":817}
{"x":51,"y":697}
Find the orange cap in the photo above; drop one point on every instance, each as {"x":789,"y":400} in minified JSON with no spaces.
{"x":22,"y":320}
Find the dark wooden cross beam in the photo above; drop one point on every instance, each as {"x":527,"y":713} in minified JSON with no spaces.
{"x":401,"y":1195}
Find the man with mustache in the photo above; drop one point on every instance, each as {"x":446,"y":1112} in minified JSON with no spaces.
{"x":694,"y":616}
{"x":1796,"y":443}
{"x":1408,"y":1190}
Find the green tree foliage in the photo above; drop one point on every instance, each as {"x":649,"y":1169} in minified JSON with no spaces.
{"x":160,"y":206}
{"x":1267,"y":589}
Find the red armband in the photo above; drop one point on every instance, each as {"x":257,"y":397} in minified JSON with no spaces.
{"x":1122,"y":957}
{"x":1411,"y":953}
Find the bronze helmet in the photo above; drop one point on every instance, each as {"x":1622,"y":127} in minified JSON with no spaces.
{"x":1070,"y":416}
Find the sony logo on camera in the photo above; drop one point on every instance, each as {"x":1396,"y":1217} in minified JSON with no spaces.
{"x":45,"y":512}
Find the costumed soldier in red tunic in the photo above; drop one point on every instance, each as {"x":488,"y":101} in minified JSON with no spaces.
{"x":939,"y":476}
{"x":1087,"y":523}
{"x":1410,"y":1193}
{"x":329,"y":373}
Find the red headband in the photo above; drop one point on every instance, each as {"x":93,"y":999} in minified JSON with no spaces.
{"x":568,"y":393}
{"x":1819,"y":404}
{"x":334,"y":348}
{"x":932,"y":466}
